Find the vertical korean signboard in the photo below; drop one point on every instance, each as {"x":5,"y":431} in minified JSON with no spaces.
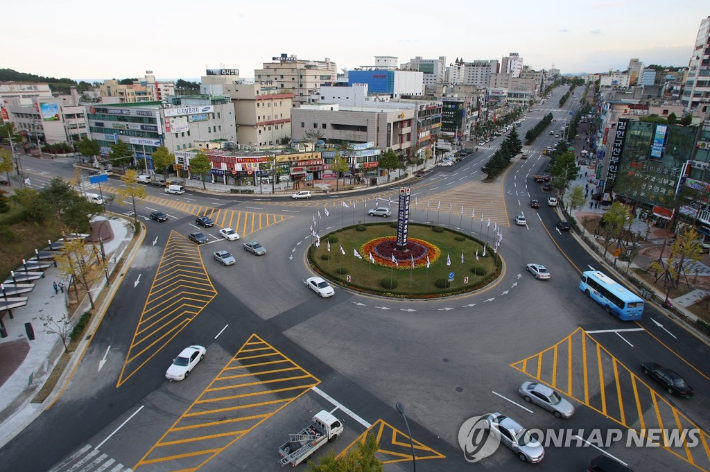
{"x":403,"y":218}
{"x":659,"y":140}
{"x":617,"y":145}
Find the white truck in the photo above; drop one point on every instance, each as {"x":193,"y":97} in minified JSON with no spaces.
{"x":324,"y":428}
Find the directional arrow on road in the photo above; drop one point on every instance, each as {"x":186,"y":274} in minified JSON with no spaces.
{"x":103,"y":361}
{"x":470,"y":305}
{"x":514,"y":285}
{"x":358,"y":303}
{"x":135,"y":284}
{"x":155,"y":240}
{"x":299,"y":243}
{"x":445,"y":309}
{"x":290,"y":258}
{"x":293,"y":250}
{"x":519,"y":275}
{"x":489,"y":300}
{"x":505,"y":293}
{"x":383,"y":308}
{"x":664,"y":329}
{"x":407,"y":309}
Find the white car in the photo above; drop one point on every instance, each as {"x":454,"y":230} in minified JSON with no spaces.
{"x":301,"y":194}
{"x":520,"y":220}
{"x":229,"y":234}
{"x":552,"y":201}
{"x":517,"y":438}
{"x":320,"y":286}
{"x":383,"y":212}
{"x":185,"y":362}
{"x":539,"y":271}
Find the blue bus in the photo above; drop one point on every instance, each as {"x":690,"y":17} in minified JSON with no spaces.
{"x":614,"y":297}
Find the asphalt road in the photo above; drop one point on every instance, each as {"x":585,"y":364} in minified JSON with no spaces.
{"x":270,"y":341}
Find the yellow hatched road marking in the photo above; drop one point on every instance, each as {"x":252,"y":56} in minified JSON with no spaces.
{"x":680,"y":432}
{"x":618,"y":392}
{"x":554,"y":367}
{"x":638,"y":404}
{"x":601,"y":379}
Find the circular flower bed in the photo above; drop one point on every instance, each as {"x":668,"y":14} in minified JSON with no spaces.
{"x":382,"y":250}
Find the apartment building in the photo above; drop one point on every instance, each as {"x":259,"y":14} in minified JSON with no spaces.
{"x":696,"y":95}
{"x":386,"y":78}
{"x":146,"y":89}
{"x":512,"y":64}
{"x":434,"y":70}
{"x":299,"y":77}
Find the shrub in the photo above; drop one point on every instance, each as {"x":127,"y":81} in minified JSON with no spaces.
{"x":388,"y":284}
{"x":341,"y":270}
{"x":333,"y":238}
{"x":325,"y":257}
{"x":80,"y":326}
{"x":361,"y":228}
{"x":393,"y":224}
{"x":438,"y":229}
{"x":441,"y":283}
{"x":478,"y":270}
{"x":460,"y":238}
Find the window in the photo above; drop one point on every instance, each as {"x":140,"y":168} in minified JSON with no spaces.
{"x":303,"y":125}
{"x":183,"y":134}
{"x":188,"y":132}
{"x":219,"y":116}
{"x":209,"y":129}
{"x":220,"y":127}
{"x":323,"y":125}
{"x":315,"y":125}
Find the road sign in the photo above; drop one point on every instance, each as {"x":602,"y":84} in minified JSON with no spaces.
{"x":451,"y":276}
{"x":617,"y":252}
{"x":95,"y":179}
{"x":348,"y":278}
{"x":465,"y":280}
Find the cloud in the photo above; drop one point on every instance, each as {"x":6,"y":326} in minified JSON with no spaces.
{"x":564,"y":30}
{"x":596,"y":31}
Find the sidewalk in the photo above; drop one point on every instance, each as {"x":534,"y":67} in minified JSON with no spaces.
{"x":26,"y":364}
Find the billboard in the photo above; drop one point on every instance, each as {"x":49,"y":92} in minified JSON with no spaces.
{"x":403,"y":217}
{"x":178,"y":124}
{"x":188,"y":110}
{"x":659,"y":140}
{"x":617,"y":146}
{"x":49,"y":111}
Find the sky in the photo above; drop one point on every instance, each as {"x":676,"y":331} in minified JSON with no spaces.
{"x":83,"y":39}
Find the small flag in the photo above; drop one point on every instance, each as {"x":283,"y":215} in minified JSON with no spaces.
{"x":427,"y":262}
{"x":317,"y":242}
{"x":372,"y":259}
{"x":476,"y":253}
{"x":357,"y":254}
{"x":325,"y":210}
{"x":462,"y":209}
{"x":481,"y":218}
{"x":412,"y":261}
{"x":342,"y":250}
{"x":319,"y":217}
{"x":495,"y":226}
{"x":473,"y":212}
{"x":427,"y":203}
{"x":415,"y":201}
{"x":439,"y":205}
{"x":489,"y":223}
{"x":328,"y":245}
{"x":311,"y":228}
{"x":461,"y":257}
{"x":314,"y":219}
{"x":394,"y":260}
{"x":448,"y":260}
{"x":484,"y":251}
{"x":345,"y":204}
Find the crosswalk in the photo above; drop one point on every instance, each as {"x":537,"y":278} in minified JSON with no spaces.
{"x":88,"y":459}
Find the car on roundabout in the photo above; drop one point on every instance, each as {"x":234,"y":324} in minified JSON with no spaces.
{"x":255,"y":248}
{"x":204,"y":221}
{"x":547,"y":398}
{"x":198,"y":238}
{"x":520,"y":220}
{"x":320,"y":286}
{"x":382,"y":211}
{"x":562,"y":225}
{"x":539,"y":271}
{"x":229,"y":234}
{"x":301,"y":194}
{"x":224,"y":258}
{"x":185,"y":361}
{"x":514,"y":436}
{"x":158,"y":216}
{"x":671,"y":381}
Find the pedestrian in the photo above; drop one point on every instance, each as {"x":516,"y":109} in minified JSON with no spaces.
{"x":56,"y":289}
{"x":585,"y":175}
{"x":591,"y":204}
{"x":61,"y":286}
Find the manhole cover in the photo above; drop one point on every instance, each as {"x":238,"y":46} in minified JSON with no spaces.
{"x":446,"y":359}
{"x":459,"y":389}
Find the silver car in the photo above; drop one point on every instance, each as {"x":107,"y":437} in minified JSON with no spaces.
{"x":547,"y":398}
{"x":255,"y":248}
{"x":517,"y":438}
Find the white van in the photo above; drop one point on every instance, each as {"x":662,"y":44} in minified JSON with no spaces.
{"x":175,"y":189}
{"x":94,"y":198}
{"x":143,"y":179}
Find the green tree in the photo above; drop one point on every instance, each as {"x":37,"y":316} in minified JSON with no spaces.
{"x":71,"y":209}
{"x":512,"y":144}
{"x":4,"y":206}
{"x":200,"y":165}
{"x":74,"y":261}
{"x":686,"y":247}
{"x":163,"y":159}
{"x":686,"y":120}
{"x":563,"y":169}
{"x":672,"y":119}
{"x":577,"y":198}
{"x":6,"y":163}
{"x":121,"y":154}
{"x":614,"y":219}
{"x":89,"y":148}
{"x":132,"y":190}
{"x":495,"y":165}
{"x":388,"y":161}
{"x":359,"y":459}
{"x":7,"y":131}
{"x":339,"y":166}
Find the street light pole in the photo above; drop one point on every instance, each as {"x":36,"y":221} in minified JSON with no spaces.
{"x":400,"y":408}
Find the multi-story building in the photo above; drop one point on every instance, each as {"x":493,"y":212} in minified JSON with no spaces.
{"x":455,"y":117}
{"x":479,"y":72}
{"x":512,"y":64}
{"x":146,"y":89}
{"x":696,"y":94}
{"x":434,"y":69}
{"x":614,"y":79}
{"x":386,"y":78}
{"x":263,"y":110}
{"x":648,"y":77}
{"x":300,"y":77}
{"x":635,"y":71}
{"x":22,"y":93}
{"x":47,"y":119}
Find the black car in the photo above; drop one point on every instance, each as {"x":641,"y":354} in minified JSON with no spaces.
{"x":199,"y":238}
{"x":563,"y":225}
{"x":158,"y":216}
{"x":204,"y":221}
{"x":670,"y":380}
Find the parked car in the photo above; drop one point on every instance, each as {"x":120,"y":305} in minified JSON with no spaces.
{"x":420,"y":173}
{"x":229,"y":234}
{"x":523,"y":156}
{"x":539,"y":271}
{"x":547,"y":398}
{"x":546,"y":187}
{"x":143,"y":179}
{"x":320,"y":286}
{"x":563,"y":225}
{"x":383,"y":212}
{"x":520,"y":220}
{"x":204,"y":221}
{"x":158,"y":216}
{"x":199,"y":238}
{"x":301,"y":194}
{"x":517,"y":438}
{"x":255,"y":248}
{"x":185,"y":361}
{"x":224,"y":258}
{"x":534,"y":204}
{"x":669,"y":379}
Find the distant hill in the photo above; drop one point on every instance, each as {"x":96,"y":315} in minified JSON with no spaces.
{"x":7,"y":75}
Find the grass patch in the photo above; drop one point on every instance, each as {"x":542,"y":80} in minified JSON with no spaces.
{"x":405,"y":282}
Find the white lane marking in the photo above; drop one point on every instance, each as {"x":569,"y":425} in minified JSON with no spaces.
{"x":135,"y":284}
{"x":253,"y":208}
{"x":664,"y":329}
{"x":511,"y":401}
{"x":624,"y":339}
{"x":103,"y":361}
{"x":615,"y":330}
{"x":71,"y":458}
{"x":344,"y":409}
{"x":291,"y":211}
{"x":603,"y":451}
{"x":222,"y":331}
{"x":122,"y":425}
